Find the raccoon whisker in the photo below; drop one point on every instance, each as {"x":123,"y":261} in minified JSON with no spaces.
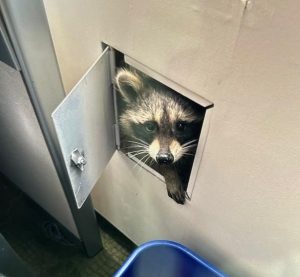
{"x":133,"y":146}
{"x":142,"y":141}
{"x":137,"y":142}
{"x":152,"y":161}
{"x":140,"y":161}
{"x":190,"y":146}
{"x":136,"y":154}
{"x":192,"y":142}
{"x":149,"y":157}
{"x":189,"y":142}
{"x":136,"y":147}
{"x":145,"y":162}
{"x":138,"y":150}
{"x":185,"y":152}
{"x":137,"y":163}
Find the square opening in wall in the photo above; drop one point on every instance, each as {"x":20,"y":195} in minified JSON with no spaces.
{"x":159,"y":126}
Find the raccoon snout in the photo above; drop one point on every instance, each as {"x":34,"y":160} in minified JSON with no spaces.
{"x":164,"y":158}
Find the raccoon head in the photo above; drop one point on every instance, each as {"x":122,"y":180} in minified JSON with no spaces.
{"x":160,"y":123}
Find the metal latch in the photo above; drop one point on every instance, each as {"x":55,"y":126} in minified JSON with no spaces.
{"x":78,"y":159}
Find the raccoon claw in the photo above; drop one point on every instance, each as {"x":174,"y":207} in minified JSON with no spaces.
{"x":178,"y":196}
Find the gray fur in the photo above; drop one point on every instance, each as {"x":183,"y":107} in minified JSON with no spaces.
{"x":148,"y":101}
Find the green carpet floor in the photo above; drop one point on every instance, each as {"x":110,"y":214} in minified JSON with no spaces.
{"x":26,"y":228}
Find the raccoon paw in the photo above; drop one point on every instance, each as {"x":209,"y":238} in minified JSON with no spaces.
{"x":177,"y":195}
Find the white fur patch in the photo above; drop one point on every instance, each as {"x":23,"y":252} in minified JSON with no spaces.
{"x":176,"y":150}
{"x":154,"y":149}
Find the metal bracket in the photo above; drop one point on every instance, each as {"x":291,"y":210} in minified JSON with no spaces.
{"x":78,"y":159}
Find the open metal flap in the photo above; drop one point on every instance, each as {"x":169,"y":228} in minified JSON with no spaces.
{"x":84,"y":125}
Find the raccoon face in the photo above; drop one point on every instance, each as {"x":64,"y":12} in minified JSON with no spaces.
{"x":159,"y":123}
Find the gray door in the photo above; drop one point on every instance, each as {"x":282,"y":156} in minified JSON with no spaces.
{"x":84,"y":124}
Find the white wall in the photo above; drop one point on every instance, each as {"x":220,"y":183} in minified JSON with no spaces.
{"x":244,"y":212}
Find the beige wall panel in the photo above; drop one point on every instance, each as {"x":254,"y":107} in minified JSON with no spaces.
{"x":244,"y":214}
{"x":188,"y":41}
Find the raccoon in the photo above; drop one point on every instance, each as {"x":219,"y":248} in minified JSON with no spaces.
{"x":159,"y":127}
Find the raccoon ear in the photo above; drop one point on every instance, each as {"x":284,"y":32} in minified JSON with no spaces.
{"x":129,"y":84}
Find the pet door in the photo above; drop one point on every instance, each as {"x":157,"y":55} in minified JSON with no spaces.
{"x":142,"y":158}
{"x":85,"y":123}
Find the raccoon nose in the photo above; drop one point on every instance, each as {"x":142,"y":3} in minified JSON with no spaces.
{"x":164,"y":158}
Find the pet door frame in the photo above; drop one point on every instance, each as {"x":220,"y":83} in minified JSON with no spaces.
{"x":199,"y":100}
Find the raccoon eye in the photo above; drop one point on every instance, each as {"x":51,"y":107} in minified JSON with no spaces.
{"x":180,"y":126}
{"x":150,"y":126}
